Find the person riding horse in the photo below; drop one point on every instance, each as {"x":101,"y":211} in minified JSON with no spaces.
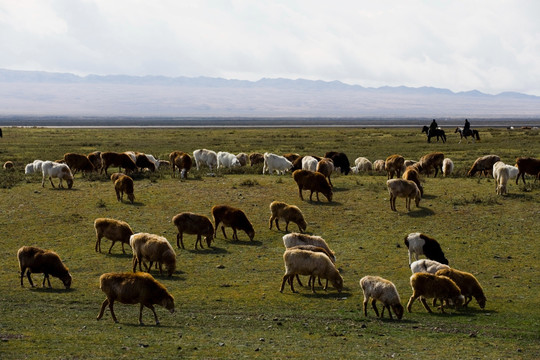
{"x":433,"y":125}
{"x":467,"y":126}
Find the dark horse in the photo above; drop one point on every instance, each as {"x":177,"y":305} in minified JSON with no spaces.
{"x":432,"y":133}
{"x":465,"y":134}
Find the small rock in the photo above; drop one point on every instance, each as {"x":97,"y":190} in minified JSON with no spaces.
{"x":221,"y":344}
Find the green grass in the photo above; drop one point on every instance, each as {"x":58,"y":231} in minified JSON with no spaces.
{"x":228,"y":303}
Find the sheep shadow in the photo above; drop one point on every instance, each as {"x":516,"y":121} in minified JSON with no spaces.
{"x":52,"y":290}
{"x":119,"y":255}
{"x":420,"y":212}
{"x":246,"y":242}
{"x":213,"y":250}
{"x":428,"y":196}
{"x":135,"y":203}
{"x":323,"y":203}
{"x":322,"y":294}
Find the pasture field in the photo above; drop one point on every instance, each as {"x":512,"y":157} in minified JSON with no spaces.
{"x":227,"y":298}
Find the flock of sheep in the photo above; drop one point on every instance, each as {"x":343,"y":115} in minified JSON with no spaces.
{"x":304,"y":254}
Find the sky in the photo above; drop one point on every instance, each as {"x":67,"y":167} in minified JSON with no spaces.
{"x":489,"y":45}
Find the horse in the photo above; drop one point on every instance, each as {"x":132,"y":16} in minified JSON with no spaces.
{"x":464,"y":134}
{"x":432,"y":133}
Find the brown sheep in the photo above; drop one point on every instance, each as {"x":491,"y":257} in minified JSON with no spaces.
{"x":191,"y":223}
{"x":326,"y":166}
{"x":314,"y":182}
{"x":35,"y":260}
{"x":242,"y":158}
{"x":468,"y":285}
{"x":78,"y":162}
{"x":122,"y":160}
{"x":116,"y":176}
{"x":138,"y":288}
{"x":142,"y":162}
{"x":425,"y":285}
{"x":289,"y":213}
{"x":413,"y":175}
{"x":403,"y":188}
{"x":291,"y":156}
{"x":8,"y":165}
{"x":379,"y":165}
{"x":483,"y":164}
{"x":433,"y":160}
{"x":256,"y":158}
{"x":153,"y":248}
{"x":394,"y":165}
{"x":232,"y":217}
{"x":95,"y":159}
{"x":124,"y":184}
{"x":182,"y":161}
{"x":315,"y":248}
{"x":527,"y":165}
{"x":115,"y":230}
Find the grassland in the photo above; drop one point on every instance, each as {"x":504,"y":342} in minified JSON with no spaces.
{"x":227,"y":299}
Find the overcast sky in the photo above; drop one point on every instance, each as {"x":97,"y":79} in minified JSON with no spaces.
{"x":488,"y":45}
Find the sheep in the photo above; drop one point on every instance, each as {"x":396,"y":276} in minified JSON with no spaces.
{"x":36,"y":260}
{"x":326,"y":167}
{"x":363,"y":164}
{"x":38,"y":165}
{"x":303,"y":262}
{"x":288,"y":213}
{"x":340,"y":160}
{"x":426,"y":265}
{"x":408,"y":163}
{"x":379,"y":165}
{"x":122,"y":160}
{"x":483,"y":164}
{"x":78,"y":162}
{"x":425,"y":285}
{"x":256,"y":158}
{"x":403,"y":188}
{"x":95,"y":159}
{"x":182,"y":161}
{"x":377,"y":288}
{"x":418,"y":244}
{"x":152,"y":247}
{"x":297,"y":239}
{"x":291,"y":156}
{"x":314,"y":249}
{"x":527,"y":165}
{"x":273,"y":162}
{"x":144,"y":162}
{"x":116,"y":176}
{"x":61,"y":171}
{"x":29,"y":169}
{"x":413,"y":175}
{"x":468,"y":284}
{"x":8,"y":165}
{"x":124,"y":184}
{"x":314,"y":182}
{"x":242,"y":158}
{"x":115,"y":230}
{"x":228,"y":160}
{"x":138,"y":288}
{"x":205,"y":157}
{"x":191,"y":223}
{"x":447,"y":167}
{"x":501,"y":176}
{"x":309,"y":163}
{"x":432,"y":160}
{"x":394,"y":165}
{"x":234,"y":218}
{"x":132,"y":155}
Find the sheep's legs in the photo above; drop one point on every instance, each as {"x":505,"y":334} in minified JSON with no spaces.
{"x":300,"y":193}
{"x":389,"y":311}
{"x":151,"y":307}
{"x":223,"y":230}
{"x":98,"y":244}
{"x":112,"y":246}
{"x":285,"y":278}
{"x":424,"y":302}
{"x":103,"y":306}
{"x":373,"y":301}
{"x":409,"y":304}
{"x":50,"y":179}
{"x":46,"y":277}
{"x":180,"y":240}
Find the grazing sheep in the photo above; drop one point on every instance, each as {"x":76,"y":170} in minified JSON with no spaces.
{"x":431,"y":161}
{"x":314,"y":182}
{"x":340,"y":160}
{"x":296,"y":239}
{"x":303,"y":262}
{"x":153,"y":248}
{"x":426,"y":265}
{"x":205,"y":157}
{"x":379,"y":165}
{"x":228,"y":160}
{"x":385,"y":291}
{"x":8,"y":165}
{"x":314,"y":249}
{"x":291,"y":156}
{"x":143,"y":161}
{"x":194,"y":224}
{"x":183,"y":162}
{"x":527,"y":165}
{"x":234,"y":218}
{"x":394,"y":165}
{"x":483,"y":164}
{"x":425,"y":285}
{"x":447,"y":167}
{"x":288,"y":213}
{"x":61,"y":171}
{"x":256,"y":158}
{"x":363,"y":164}
{"x":502,"y":173}
{"x":413,"y":175}
{"x":29,"y":169}
{"x":309,"y":163}
{"x":242,"y":158}
{"x":115,"y":230}
{"x":468,"y":285}
{"x":95,"y":159}
{"x":122,"y":160}
{"x":138,"y":288}
{"x":78,"y":162}
{"x":418,"y":244}
{"x":403,"y":188}
{"x":35,"y":260}
{"x":273,"y":162}
{"x":124,"y":184}
{"x":326,"y":167}
{"x":116,"y":176}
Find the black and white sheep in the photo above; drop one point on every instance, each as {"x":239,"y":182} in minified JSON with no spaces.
{"x":419,"y":244}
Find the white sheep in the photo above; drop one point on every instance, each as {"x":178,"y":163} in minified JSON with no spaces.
{"x":273,"y":162}
{"x":61,"y":171}
{"x":447,"y":166}
{"x":502,"y":173}
{"x":309,"y":163}
{"x":363,"y":164}
{"x":426,"y":265}
{"x":205,"y":157}
{"x":226,"y":159}
{"x":385,"y":291}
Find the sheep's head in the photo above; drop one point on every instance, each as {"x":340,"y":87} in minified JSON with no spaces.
{"x":337,"y":283}
{"x":69,"y":183}
{"x":209,"y":237}
{"x":251,"y":233}
{"x":302,"y":225}
{"x":329,"y":195}
{"x":131,"y":198}
{"x":417,"y":198}
{"x":67,"y":281}
{"x":481,"y":302}
{"x":398,"y":310}
{"x":168,"y":303}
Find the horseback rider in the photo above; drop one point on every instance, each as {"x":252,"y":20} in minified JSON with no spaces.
{"x":433,"y":125}
{"x":467,"y":126}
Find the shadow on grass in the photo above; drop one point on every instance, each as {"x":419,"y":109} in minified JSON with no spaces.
{"x":209,"y":251}
{"x":429,"y":196}
{"x":246,"y":242}
{"x":119,"y":255}
{"x":321,"y":294}
{"x":420,"y":212}
{"x":322,"y":203}
{"x":53,"y":290}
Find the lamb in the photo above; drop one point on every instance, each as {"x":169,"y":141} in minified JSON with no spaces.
{"x":303,"y":262}
{"x":484,"y":163}
{"x":468,"y":285}
{"x":228,"y":160}
{"x":242,"y":158}
{"x":426,"y":265}
{"x":501,"y":176}
{"x":379,"y":165}
{"x":326,"y":167}
{"x":115,"y":230}
{"x":205,"y":157}
{"x":363,"y":164}
{"x":288,"y":213}
{"x":527,"y":165}
{"x":191,"y":223}
{"x":385,"y":291}
{"x":273,"y":162}
{"x":61,"y":171}
{"x":95,"y":159}
{"x":78,"y":162}
{"x":296,"y":239}
{"x":314,"y":182}
{"x":403,"y":188}
{"x":138,"y":288}
{"x":152,"y":247}
{"x":182,"y":161}
{"x":36,"y":260}
{"x":433,"y":160}
{"x":447,"y":167}
{"x":394,"y":165}
{"x":340,"y":160}
{"x":413,"y":175}
{"x":418,"y":244}
{"x":124,"y":184}
{"x":234,"y":218}
{"x":8,"y":165}
{"x":309,"y":163}
{"x":256,"y":158}
{"x":425,"y":285}
{"x":122,"y":160}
